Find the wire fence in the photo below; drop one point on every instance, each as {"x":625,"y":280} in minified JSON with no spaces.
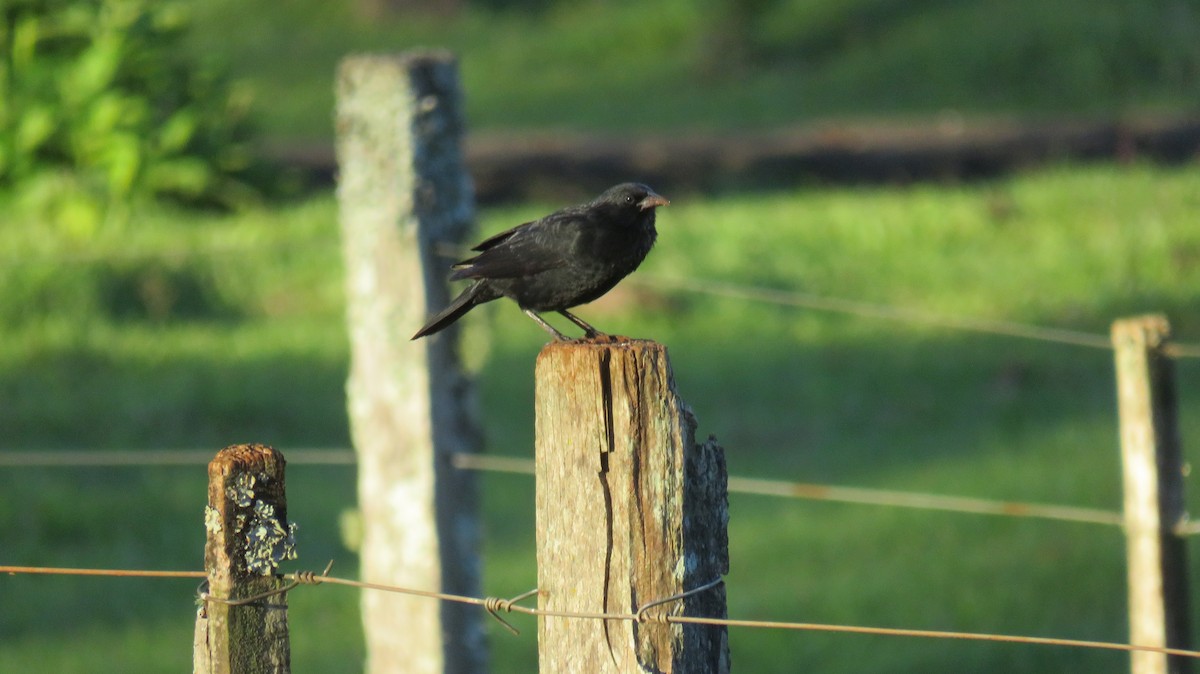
{"x":801,"y":300}
{"x":643,"y":614}
{"x":737,"y":484}
{"x":524,"y":466}
{"x":742,"y":485}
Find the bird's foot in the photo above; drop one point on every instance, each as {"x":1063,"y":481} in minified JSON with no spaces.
{"x":603,"y":338}
{"x":558,"y":336}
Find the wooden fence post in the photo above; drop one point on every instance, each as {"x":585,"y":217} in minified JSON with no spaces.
{"x":1154,"y":504}
{"x":404,"y":199}
{"x":248,"y":535}
{"x":629,"y":510}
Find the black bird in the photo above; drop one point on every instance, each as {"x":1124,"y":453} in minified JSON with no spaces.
{"x":567,"y":258}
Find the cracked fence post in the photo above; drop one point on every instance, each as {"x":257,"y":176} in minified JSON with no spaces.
{"x":405,"y":206}
{"x":630,"y":510}
{"x":248,"y":536}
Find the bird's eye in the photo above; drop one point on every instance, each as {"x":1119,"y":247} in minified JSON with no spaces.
{"x":628,"y":199}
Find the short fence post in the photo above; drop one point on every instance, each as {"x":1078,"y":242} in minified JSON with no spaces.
{"x":629,"y":510}
{"x":1153,"y":482}
{"x":405,"y":200}
{"x":248,"y":535}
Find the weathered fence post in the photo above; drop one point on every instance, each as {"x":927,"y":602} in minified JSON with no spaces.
{"x":1154,"y":505}
{"x":629,"y":510}
{"x":248,"y":535}
{"x":404,"y":199}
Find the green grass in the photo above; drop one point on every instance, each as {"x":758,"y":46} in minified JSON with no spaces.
{"x":186,"y":331}
{"x":680,"y":65}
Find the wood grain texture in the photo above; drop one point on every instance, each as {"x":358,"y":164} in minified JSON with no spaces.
{"x":630,"y":509}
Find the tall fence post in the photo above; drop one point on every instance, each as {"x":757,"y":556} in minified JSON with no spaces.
{"x":1152,"y":461}
{"x":404,"y":199}
{"x":630,"y":509}
{"x":248,"y":535}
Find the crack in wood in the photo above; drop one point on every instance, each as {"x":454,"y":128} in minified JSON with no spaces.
{"x":606,"y":401}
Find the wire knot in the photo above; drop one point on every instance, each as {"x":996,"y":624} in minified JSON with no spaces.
{"x":296,"y":579}
{"x":660,"y":618}
{"x":308,"y":578}
{"x":494,"y":605}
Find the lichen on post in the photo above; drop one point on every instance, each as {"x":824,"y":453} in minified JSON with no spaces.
{"x":248,"y":536}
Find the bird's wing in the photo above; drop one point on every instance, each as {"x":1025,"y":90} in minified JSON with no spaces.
{"x":496,"y":239}
{"x":527,"y":249}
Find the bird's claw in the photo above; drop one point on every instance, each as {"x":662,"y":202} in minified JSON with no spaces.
{"x":603,"y":338}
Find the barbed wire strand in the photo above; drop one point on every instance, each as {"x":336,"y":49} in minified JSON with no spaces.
{"x":1181,"y":351}
{"x":523,"y":466}
{"x":1186,"y":528}
{"x":792,"y":298}
{"x":297,"y":579}
{"x":863,"y":495}
{"x":119,"y":573}
{"x":938,"y":634}
{"x":922,"y":501}
{"x":642,"y":614}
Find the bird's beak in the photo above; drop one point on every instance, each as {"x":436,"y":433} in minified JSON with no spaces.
{"x":652,"y":201}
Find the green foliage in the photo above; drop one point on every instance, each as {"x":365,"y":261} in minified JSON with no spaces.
{"x":99,"y":109}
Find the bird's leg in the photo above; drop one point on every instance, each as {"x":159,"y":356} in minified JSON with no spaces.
{"x":587,"y":329}
{"x":546,"y":326}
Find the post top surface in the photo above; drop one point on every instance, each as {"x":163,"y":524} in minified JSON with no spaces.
{"x":605,"y":342}
{"x":245,"y":456}
{"x":404,"y":59}
{"x":1153,"y":329}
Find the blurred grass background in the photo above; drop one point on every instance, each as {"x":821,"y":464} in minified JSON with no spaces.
{"x":729,"y":64}
{"x":180,"y":328}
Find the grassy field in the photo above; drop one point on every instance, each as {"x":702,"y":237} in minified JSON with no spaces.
{"x":200,"y":331}
{"x":678,"y":64}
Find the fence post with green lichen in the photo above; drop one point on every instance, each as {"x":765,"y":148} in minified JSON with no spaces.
{"x":248,"y":535}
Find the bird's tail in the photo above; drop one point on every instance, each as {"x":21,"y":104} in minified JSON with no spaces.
{"x":474,"y":295}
